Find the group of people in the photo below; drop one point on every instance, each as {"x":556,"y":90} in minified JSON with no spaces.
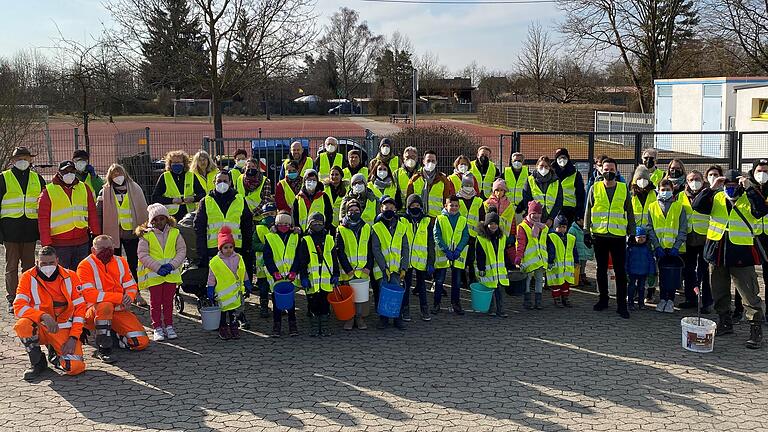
{"x":396,"y":220}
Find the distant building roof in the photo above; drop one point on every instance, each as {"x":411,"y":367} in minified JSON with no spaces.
{"x":711,"y":80}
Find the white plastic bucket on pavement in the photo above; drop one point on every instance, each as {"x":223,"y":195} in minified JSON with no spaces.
{"x":698,"y":338}
{"x":211,"y":316}
{"x":361,"y":287}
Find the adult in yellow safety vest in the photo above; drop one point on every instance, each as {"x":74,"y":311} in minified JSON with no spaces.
{"x":254,"y":186}
{"x":696,"y":272}
{"x":381,"y":182}
{"x":516,"y":176}
{"x":20,"y":188}
{"x":491,"y":262}
{"x":224,"y":207}
{"x":281,"y":263}
{"x":354,"y":165}
{"x":353,"y":246}
{"x":85,"y":171}
{"x":471,"y":207}
{"x":287,"y":188}
{"x":228,"y":283}
{"x":431,"y":185}
{"x":460,"y":170}
{"x":319,"y":270}
{"x":336,"y":189}
{"x":484,"y":170}
{"x":608,"y":220}
{"x":421,"y":244}
{"x":543,"y":186}
{"x":410,"y":166}
{"x":571,"y":185}
{"x":650,"y":158}
{"x":312,"y":198}
{"x":386,"y":156}
{"x":329,"y":158}
{"x":204,"y":168}
{"x":161,"y":252}
{"x":643,"y":193}
{"x":241,"y":159}
{"x":730,"y":249}
{"x":389,"y":243}
{"x":451,"y":234}
{"x":676,"y":174}
{"x":300,"y":155}
{"x":177,"y":189}
{"x":365,"y":197}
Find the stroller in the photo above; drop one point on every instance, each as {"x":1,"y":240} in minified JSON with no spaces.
{"x":193,"y":278}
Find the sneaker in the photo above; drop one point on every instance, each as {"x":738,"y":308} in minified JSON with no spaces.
{"x":159,"y":335}
{"x":293,"y":329}
{"x":276,"y":330}
{"x":349,"y":324}
{"x":104,"y":355}
{"x":170,"y":333}
{"x":406,"y":315}
{"x":10,"y":308}
{"x":502,"y":314}
{"x":661,"y":306}
{"x":425,"y":316}
{"x":670,"y":307}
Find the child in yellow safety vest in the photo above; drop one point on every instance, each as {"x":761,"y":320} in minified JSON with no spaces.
{"x":562,"y":258}
{"x":161,"y":252}
{"x":452,"y":237}
{"x":319,"y":271}
{"x":353,"y":246}
{"x":227,"y":284}
{"x":389,"y":243}
{"x":491,"y":260}
{"x":531,"y":254}
{"x":281,"y":263}
{"x":421,"y":244}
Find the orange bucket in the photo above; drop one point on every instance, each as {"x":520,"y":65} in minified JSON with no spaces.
{"x":342,"y":300}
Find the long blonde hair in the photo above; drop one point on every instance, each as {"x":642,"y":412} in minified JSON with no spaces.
{"x":112,"y":172}
{"x":194,"y":166}
{"x":174,"y":153}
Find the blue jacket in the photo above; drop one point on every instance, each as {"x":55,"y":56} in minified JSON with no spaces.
{"x":640,"y":261}
{"x":453,"y":219}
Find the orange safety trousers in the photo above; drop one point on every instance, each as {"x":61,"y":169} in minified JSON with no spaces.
{"x":124,"y":323}
{"x":26,"y":329}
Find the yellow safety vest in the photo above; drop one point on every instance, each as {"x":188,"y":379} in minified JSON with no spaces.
{"x":390,"y":246}
{"x":66,"y":214}
{"x":260,"y":231}
{"x":495,"y":269}
{"x":356,"y":250}
{"x":402,"y":177}
{"x":163,"y":255}
{"x":253,"y":198}
{"x":546,"y":200}
{"x":506,"y":219}
{"x":347,"y":174}
{"x":666,"y":227}
{"x":230,"y":287}
{"x":535,"y":255}
{"x":609,"y":216}
{"x":235,"y":173}
{"x":657,"y":176}
{"x":564,"y":267}
{"x":320,"y":269}
{"x":172,"y":191}
{"x":455,"y":181}
{"x":217,"y":220}
{"x":324,"y":170}
{"x":124,"y":213}
{"x":721,"y":221}
{"x":418,"y":243}
{"x":208,"y":182}
{"x":17,"y":202}
{"x":484,"y":181}
{"x":435,"y":202}
{"x":697,"y":222}
{"x":515,"y":184}
{"x":472,"y":214}
{"x":568,"y":185}
{"x":283,"y":254}
{"x":389,"y":191}
{"x":317,"y":205}
{"x":640,"y":210}
{"x":308,"y":164}
{"x":88,"y":180}
{"x":336,"y":205}
{"x":451,"y":237}
{"x":290,"y":197}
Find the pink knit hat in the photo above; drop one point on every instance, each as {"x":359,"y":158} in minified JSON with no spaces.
{"x":225,"y":236}
{"x":155,"y":210}
{"x":534,"y":207}
{"x":500,"y":184}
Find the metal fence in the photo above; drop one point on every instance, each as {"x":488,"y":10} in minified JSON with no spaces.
{"x":615,"y":124}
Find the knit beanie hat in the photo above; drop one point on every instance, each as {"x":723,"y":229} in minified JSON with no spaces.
{"x":640,"y":231}
{"x":310,"y":173}
{"x":534,"y":207}
{"x":357,"y":178}
{"x":353,"y":203}
{"x":413,"y":198}
{"x":491,"y":217}
{"x":315,"y":216}
{"x":641,"y":172}
{"x":561,"y":220}
{"x":225,"y":236}
{"x":500,"y":184}
{"x":283,"y":219}
{"x":155,"y":210}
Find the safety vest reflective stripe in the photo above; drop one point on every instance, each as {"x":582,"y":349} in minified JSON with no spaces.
{"x":535,"y":254}
{"x":435,"y":202}
{"x":390,"y":244}
{"x":68,"y":214}
{"x":697,"y":222}
{"x":472,"y":214}
{"x":260,"y":232}
{"x":515,"y":184}
{"x":253,"y":198}
{"x":317,"y":205}
{"x":721,"y":220}
{"x":283,"y":254}
{"x":608,"y":216}
{"x":163,"y":255}
{"x":336,"y":210}
{"x":402,"y":177}
{"x":389,"y":191}
{"x":229,"y":285}
{"x":568,"y":185}
{"x":641,"y":210}
{"x":97,"y":279}
{"x":308,"y":164}
{"x":547,"y":200}
{"x":320,"y":272}
{"x":172,"y":191}
{"x":495,"y":270}
{"x":216,"y":220}
{"x":564,"y":266}
{"x":208,"y":182}
{"x":324,"y":170}
{"x":356,"y":250}
{"x":484,"y":181}
{"x":417,"y":242}
{"x":17,"y":202}
{"x":451,"y":237}
{"x":124,"y":214}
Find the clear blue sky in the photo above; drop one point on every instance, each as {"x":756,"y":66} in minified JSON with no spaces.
{"x":489,"y":34}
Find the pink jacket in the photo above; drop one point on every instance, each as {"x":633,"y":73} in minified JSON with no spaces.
{"x":162,"y":237}
{"x":231,"y":261}
{"x":522,"y":239}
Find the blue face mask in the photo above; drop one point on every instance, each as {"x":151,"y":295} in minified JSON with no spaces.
{"x":731,"y":190}
{"x":177,"y":168}
{"x":292,"y":175}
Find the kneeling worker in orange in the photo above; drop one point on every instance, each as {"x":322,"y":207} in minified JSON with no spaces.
{"x":109,"y":289}
{"x":51,"y":312}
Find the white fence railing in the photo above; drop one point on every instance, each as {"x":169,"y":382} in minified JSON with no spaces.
{"x":607,"y":122}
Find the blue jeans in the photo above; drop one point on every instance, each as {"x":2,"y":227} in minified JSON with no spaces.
{"x":421,"y":287}
{"x":455,"y":284}
{"x":636,"y":288}
{"x":665,"y":293}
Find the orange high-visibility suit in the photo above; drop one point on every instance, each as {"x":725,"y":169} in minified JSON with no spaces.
{"x":103,"y":289}
{"x":60,"y":299}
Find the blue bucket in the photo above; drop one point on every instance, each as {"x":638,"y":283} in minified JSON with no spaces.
{"x":481,"y":297}
{"x":390,"y":300}
{"x":284,"y":295}
{"x":671,"y":272}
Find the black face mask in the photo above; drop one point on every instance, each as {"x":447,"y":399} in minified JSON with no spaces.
{"x":609,"y":175}
{"x":316,"y":229}
{"x":415,"y":212}
{"x":388,"y":214}
{"x":483,"y":159}
{"x":675,"y":173}
{"x":649,"y":162}
{"x":253,"y":172}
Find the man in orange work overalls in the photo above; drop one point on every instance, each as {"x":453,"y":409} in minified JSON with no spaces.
{"x":50,"y":312}
{"x":109,"y":289}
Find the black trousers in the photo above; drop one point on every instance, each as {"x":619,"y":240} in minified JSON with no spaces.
{"x":318,"y":303}
{"x":131,"y":247}
{"x":616,"y":248}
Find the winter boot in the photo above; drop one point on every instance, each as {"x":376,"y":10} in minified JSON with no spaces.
{"x":277,"y":329}
{"x":325,"y":326}
{"x":224,"y":333}
{"x":500,"y":307}
{"x":314,"y":326}
{"x":556,"y":301}
{"x":527,"y":300}
{"x":234,"y":330}
{"x":104,"y":343}
{"x":755,"y":340}
{"x":293,"y":329}
{"x":565,"y":302}
{"x":264,"y":307}
{"x":38,"y":364}
{"x":725,"y":325}
{"x":537,"y":304}
{"x":244,"y":320}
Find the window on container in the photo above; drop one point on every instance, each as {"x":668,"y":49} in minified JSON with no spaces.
{"x":761,"y":109}
{"x":664,"y":91}
{"x":713,"y":90}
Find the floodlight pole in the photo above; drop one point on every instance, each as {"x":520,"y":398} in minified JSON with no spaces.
{"x":415,"y":91}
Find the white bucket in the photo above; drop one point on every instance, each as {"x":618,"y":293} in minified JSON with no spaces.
{"x":211,"y":316}
{"x":361,"y":287}
{"x":698,"y":338}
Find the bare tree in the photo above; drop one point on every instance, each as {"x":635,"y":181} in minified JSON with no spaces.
{"x":394,"y":68}
{"x":573,"y":81}
{"x":474,"y":72}
{"x":537,"y":58}
{"x":355,"y":49}
{"x":430,"y":70}
{"x":743,"y":23}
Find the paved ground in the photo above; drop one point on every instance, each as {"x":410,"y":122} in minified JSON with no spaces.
{"x":537,"y":370}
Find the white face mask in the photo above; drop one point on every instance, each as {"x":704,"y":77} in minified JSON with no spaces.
{"x":47,"y":270}
{"x":665,"y":195}
{"x":222,"y":187}
{"x":462,"y":168}
{"x":240,"y":163}
{"x":330,"y":148}
{"x":711,"y":179}
{"x":358,"y":188}
{"x":543,"y":171}
{"x":410,"y":163}
{"x":562,"y":161}
{"x":517,"y":164}
{"x":382,"y":174}
{"x":429,"y":166}
{"x":21,"y":164}
{"x":642,"y":183}
{"x":761,"y":177}
{"x":310,"y":185}
{"x":80,"y":165}
{"x":468,"y":190}
{"x":385,"y":151}
{"x":695,"y":185}
{"x":119,"y":180}
{"x":68,"y":178}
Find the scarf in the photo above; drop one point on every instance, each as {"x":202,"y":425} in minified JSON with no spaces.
{"x":536,"y":227}
{"x":250,"y":183}
{"x":464,"y":194}
{"x":110,"y":218}
{"x":382,"y":184}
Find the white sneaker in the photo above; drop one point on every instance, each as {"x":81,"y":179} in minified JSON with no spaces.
{"x":170,"y":333}
{"x":661,"y":305}
{"x":159,"y":335}
{"x":670,"y":307}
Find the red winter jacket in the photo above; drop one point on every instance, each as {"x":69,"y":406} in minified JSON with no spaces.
{"x":75,"y":237}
